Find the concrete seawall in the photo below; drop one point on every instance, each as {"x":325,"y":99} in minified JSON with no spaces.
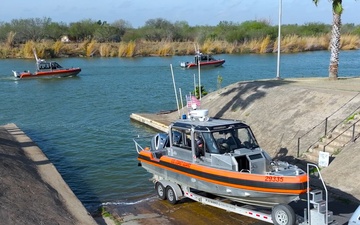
{"x":31,"y":189}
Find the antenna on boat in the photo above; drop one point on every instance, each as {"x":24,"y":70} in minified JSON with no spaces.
{"x":176,"y":96}
{"x":197,"y":54}
{"x":182,"y":103}
{"x":199,"y":88}
{"x":36,"y":57}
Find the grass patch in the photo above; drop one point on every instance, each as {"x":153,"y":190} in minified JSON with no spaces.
{"x":351,"y":117}
{"x":104,"y":213}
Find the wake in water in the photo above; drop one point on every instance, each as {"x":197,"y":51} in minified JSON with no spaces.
{"x":8,"y":78}
{"x":126,"y":203}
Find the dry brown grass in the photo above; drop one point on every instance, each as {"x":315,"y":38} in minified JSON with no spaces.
{"x":105,"y":50}
{"x":27,"y":50}
{"x":294,"y":43}
{"x":213,"y":47}
{"x":265,"y":45}
{"x":165,"y":49}
{"x":316,"y":43}
{"x":289,"y":44}
{"x":127,"y":49}
{"x":10,"y":39}
{"x":349,"y":42}
{"x":57,"y":47}
{"x":91,"y":48}
{"x":251,"y":46}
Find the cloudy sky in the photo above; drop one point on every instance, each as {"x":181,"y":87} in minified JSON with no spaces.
{"x":200,"y":12}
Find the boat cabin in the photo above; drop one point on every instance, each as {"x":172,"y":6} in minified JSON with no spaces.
{"x":203,"y":58}
{"x":225,"y":144}
{"x":44,"y":65}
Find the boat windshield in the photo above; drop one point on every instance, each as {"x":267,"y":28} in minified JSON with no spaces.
{"x":234,"y":138}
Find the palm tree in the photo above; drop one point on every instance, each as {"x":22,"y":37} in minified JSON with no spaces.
{"x":337,"y":10}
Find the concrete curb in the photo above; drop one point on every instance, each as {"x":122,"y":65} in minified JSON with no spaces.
{"x":50,"y":175}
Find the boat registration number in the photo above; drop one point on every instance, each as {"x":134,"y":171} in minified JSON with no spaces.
{"x":181,"y":163}
{"x":274,"y":179}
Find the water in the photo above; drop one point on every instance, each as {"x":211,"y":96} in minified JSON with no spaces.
{"x":82,"y":123}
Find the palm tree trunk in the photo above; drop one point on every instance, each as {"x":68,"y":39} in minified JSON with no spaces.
{"x":335,"y":46}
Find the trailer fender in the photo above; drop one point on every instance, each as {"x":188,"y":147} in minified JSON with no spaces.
{"x":178,"y":193}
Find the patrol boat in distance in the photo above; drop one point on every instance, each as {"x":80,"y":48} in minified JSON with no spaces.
{"x":221,"y":157}
{"x":204,"y":60}
{"x":45,"y":69}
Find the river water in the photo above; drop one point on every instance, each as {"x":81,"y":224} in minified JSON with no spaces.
{"x":82,"y":123}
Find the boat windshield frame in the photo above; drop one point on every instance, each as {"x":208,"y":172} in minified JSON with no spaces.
{"x":42,"y":65}
{"x":218,"y":136}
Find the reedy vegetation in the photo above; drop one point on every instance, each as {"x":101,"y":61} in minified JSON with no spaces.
{"x":159,"y":37}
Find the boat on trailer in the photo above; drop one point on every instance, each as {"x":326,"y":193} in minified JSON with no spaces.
{"x":220,"y":157}
{"x":45,"y":69}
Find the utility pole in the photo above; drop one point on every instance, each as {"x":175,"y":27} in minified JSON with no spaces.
{"x":279,"y":41}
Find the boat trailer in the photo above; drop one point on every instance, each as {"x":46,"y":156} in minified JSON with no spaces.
{"x":316,"y":213}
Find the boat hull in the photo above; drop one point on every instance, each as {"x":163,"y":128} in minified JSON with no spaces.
{"x":49,"y":74}
{"x":216,"y":63}
{"x":254,"y":189}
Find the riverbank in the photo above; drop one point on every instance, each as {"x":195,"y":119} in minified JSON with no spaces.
{"x":142,"y":48}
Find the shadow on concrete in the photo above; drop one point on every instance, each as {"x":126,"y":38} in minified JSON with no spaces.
{"x":252,"y":91}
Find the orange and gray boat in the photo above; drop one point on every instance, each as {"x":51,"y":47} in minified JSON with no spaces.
{"x":204,"y":60}
{"x":220,"y":157}
{"x":45,"y":69}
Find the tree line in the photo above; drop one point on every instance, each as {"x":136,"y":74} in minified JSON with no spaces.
{"x":19,"y":31}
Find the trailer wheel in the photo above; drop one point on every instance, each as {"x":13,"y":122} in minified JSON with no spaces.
{"x":170,"y":195}
{"x":283,"y":215}
{"x":160,"y":190}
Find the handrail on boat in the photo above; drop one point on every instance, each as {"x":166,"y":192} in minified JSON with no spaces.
{"x":138,"y":146}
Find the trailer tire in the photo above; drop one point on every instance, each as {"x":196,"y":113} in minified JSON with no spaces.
{"x":283,"y":215}
{"x":170,"y":195}
{"x":160,"y":190}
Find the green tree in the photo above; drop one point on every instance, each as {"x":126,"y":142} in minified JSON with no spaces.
{"x":183,"y":32}
{"x":84,"y":29}
{"x":55,"y":31}
{"x":249,"y":30}
{"x":107,"y":33}
{"x":158,"y":29}
{"x":196,"y":93}
{"x":29,"y":29}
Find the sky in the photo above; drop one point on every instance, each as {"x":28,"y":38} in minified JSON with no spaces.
{"x":200,"y":12}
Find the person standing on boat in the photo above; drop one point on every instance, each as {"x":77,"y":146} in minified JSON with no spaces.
{"x":199,"y":148}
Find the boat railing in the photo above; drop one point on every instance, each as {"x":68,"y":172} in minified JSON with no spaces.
{"x":139,"y":147}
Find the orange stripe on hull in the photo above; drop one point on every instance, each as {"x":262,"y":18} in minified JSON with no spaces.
{"x":184,"y":168}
